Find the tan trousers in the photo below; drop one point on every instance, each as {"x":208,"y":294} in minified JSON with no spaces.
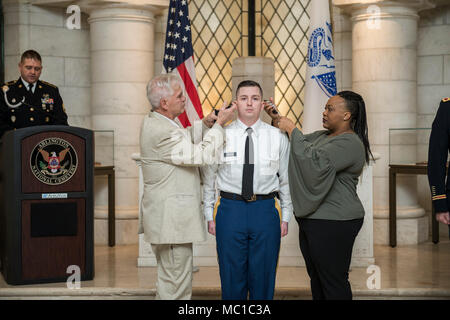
{"x":174,"y":271}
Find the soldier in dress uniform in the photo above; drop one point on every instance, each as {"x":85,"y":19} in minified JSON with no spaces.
{"x":29,"y":101}
{"x":437,"y":161}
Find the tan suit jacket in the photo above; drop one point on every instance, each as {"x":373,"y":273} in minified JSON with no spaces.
{"x":170,"y":210}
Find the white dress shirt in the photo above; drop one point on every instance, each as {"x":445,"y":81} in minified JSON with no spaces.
{"x":271,"y":154}
{"x":27,"y":84}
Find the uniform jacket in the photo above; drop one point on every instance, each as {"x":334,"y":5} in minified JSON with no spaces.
{"x":171,"y":203}
{"x":43,"y":107}
{"x":439,"y":147}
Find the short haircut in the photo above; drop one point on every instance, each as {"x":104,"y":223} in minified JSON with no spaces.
{"x":249,"y":83}
{"x":30,"y":54}
{"x":161,"y":87}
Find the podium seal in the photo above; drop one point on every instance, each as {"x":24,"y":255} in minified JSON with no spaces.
{"x":53,"y":161}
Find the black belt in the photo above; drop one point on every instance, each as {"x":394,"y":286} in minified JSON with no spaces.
{"x":235,"y":196}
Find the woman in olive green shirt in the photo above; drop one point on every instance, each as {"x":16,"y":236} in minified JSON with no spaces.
{"x":324,"y":168}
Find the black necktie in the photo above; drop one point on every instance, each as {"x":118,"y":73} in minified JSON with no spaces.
{"x":30,"y":87}
{"x":247,"y":175}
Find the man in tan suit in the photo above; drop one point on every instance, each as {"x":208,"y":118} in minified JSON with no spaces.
{"x":170,"y":215}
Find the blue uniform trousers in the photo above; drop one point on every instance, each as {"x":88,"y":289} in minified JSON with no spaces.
{"x":248,"y":244}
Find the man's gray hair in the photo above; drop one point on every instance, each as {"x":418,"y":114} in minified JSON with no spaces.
{"x":161,"y":87}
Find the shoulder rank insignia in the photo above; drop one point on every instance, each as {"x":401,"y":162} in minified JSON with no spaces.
{"x":49,"y":84}
{"x":445,"y":99}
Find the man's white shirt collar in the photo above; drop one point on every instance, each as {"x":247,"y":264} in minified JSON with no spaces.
{"x":244,"y":127}
{"x":27,"y":84}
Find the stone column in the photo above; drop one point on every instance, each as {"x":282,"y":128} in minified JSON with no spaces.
{"x":384,"y":41}
{"x":122,"y":62}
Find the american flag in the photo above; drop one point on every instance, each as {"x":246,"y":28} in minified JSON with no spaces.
{"x":179,"y":58}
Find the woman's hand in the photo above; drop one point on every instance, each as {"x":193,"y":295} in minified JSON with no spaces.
{"x":285,"y":124}
{"x":271,"y":111}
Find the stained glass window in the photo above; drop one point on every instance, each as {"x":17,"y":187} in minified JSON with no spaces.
{"x":220,"y":34}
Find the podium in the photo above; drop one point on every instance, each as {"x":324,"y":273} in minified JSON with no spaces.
{"x":46,"y":204}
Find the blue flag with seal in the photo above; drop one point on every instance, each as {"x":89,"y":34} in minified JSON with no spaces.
{"x":320,"y":70}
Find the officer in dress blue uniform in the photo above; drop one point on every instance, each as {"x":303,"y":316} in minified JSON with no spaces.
{"x":437,"y":160}
{"x":29,"y":101}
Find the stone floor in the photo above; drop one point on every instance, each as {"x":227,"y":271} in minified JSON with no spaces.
{"x":407,"y":272}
